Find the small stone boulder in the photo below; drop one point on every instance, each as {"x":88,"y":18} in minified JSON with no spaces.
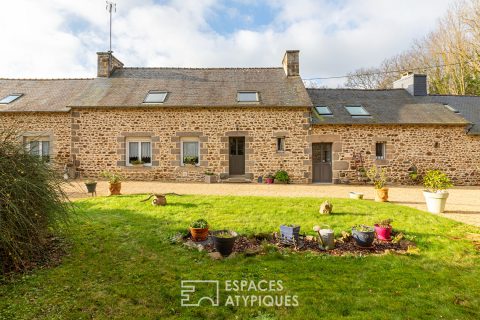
{"x":326,"y":208}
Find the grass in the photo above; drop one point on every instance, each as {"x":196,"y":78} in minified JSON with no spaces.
{"x":122,"y":264}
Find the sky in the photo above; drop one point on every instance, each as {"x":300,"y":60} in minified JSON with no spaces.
{"x":60,"y":38}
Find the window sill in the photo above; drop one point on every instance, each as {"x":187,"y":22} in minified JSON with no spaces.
{"x":149,"y":167}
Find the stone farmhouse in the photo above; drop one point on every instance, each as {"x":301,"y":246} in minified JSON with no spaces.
{"x":239,"y":123}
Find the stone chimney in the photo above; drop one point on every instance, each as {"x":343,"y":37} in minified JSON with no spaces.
{"x":291,"y":63}
{"x":415,"y":84}
{"x":106,"y":64}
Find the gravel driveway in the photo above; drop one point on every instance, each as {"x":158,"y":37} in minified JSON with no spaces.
{"x":463,"y":203}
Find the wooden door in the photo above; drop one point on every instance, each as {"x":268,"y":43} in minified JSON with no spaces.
{"x":322,"y":162}
{"x":237,"y":155}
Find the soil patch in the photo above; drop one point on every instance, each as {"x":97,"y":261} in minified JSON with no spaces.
{"x":346,"y":245}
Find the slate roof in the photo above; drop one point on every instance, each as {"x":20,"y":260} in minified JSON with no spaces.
{"x":394,"y":106}
{"x":468,"y":107}
{"x":127,"y":87}
{"x":49,"y":95}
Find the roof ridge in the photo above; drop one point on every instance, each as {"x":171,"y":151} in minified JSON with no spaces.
{"x":46,"y":79}
{"x":207,"y":68}
{"x":455,"y":95}
{"x":354,"y":89}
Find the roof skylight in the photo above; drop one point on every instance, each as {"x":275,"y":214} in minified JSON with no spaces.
{"x":357,"y":111}
{"x":323,"y":111}
{"x":10,"y":98}
{"x":247,"y":96}
{"x":449,"y":107}
{"x":155,"y":97}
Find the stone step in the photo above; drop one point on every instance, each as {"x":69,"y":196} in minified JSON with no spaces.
{"x":237,"y":180}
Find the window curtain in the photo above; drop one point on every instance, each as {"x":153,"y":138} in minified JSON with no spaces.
{"x":133,"y":151}
{"x":190,"y":149}
{"x":45,"y":148}
{"x":35,"y":148}
{"x":146,"y":152}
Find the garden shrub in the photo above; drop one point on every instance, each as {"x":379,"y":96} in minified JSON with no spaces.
{"x":32,"y":204}
{"x":282,"y":176}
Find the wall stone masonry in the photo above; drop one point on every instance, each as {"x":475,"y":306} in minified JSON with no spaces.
{"x":54,"y":125}
{"x":97,"y":140}
{"x":427,"y":147}
{"x":94,"y":140}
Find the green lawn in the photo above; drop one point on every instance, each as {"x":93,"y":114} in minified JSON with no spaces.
{"x":122,"y":265}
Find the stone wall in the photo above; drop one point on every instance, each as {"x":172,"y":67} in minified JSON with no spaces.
{"x":99,"y":140}
{"x":54,"y":125}
{"x":445,"y":147}
{"x":95,"y":140}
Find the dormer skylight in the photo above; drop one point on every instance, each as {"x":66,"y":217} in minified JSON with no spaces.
{"x":449,"y":107}
{"x":155,"y":96}
{"x":10,"y":98}
{"x":357,"y":111}
{"x":247,"y":96}
{"x":324,"y":111}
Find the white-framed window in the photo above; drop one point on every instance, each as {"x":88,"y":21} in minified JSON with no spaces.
{"x":380,"y":148}
{"x":247,"y":96}
{"x":39,"y":147}
{"x":155,"y":96}
{"x":139,"y":150}
{"x":280,"y":144}
{"x":190,"y":151}
{"x":358,"y":111}
{"x":10,"y":98}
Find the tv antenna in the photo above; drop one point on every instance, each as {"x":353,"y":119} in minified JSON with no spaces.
{"x":111,"y":7}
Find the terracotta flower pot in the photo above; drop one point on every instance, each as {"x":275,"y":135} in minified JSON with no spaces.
{"x":199,"y":234}
{"x":383,"y":233}
{"x":115,"y":188}
{"x":381,"y":195}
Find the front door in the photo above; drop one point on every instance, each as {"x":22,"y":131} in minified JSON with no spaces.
{"x":237,"y":155}
{"x":322,"y":162}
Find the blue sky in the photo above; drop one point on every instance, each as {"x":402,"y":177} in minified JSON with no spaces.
{"x":59,"y":38}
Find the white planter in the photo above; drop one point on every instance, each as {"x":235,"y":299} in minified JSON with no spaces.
{"x":356,"y":195}
{"x":435,"y":201}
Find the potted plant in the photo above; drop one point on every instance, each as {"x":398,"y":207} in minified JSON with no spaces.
{"x":383,"y":229}
{"x":413,"y":174}
{"x":210,"y":177}
{"x":137,"y":163}
{"x":115,"y":180}
{"x":436,"y":184}
{"x":91,"y":186}
{"x":281,"y":176}
{"x":199,"y":230}
{"x":363,"y":235}
{"x":190,"y":160}
{"x":224,"y":241}
{"x":379,"y":179}
{"x":289,"y":233}
{"x":269,"y":178}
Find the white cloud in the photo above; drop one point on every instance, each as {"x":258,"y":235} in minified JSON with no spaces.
{"x":59,"y":38}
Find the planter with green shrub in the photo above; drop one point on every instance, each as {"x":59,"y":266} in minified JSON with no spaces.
{"x":199,"y":230}
{"x":115,"y":180}
{"x":281,"y":176}
{"x":436,"y":184}
{"x":210,"y":177}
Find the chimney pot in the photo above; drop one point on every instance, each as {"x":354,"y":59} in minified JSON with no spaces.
{"x":291,"y":63}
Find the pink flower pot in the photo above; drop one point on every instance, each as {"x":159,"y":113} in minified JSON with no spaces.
{"x":269,"y":180}
{"x":383,"y":233}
